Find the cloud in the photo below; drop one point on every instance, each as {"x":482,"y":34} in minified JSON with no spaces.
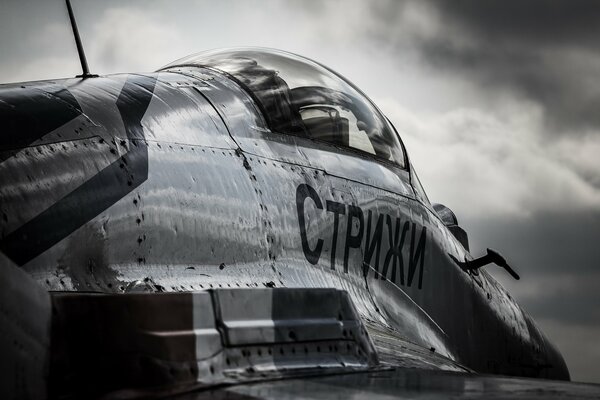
{"x":55,"y":51}
{"x":580,"y":154}
{"x":489,"y":163}
{"x":130,"y":39}
{"x":534,"y":21}
{"x":572,"y":302}
{"x":544,"y":51}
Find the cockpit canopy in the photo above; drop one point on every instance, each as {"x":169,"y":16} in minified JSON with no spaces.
{"x":301,"y":97}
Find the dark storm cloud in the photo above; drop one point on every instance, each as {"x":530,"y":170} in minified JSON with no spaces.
{"x":567,"y":306}
{"x":545,"y":22}
{"x":554,"y":242}
{"x":544,"y":51}
{"x":557,"y":256}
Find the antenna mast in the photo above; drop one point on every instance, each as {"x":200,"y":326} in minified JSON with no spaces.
{"x":84,"y":66}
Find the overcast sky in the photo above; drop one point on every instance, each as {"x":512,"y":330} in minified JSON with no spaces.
{"x":498,"y":103}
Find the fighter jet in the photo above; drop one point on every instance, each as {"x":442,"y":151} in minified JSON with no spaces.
{"x":241,"y":223}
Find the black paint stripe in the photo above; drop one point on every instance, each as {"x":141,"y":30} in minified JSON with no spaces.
{"x":98,"y":193}
{"x":27,"y":114}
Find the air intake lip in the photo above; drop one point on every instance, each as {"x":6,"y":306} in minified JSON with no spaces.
{"x":174,"y":342}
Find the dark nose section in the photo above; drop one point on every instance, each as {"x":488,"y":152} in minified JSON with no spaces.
{"x":547,"y":361}
{"x":557,"y":368}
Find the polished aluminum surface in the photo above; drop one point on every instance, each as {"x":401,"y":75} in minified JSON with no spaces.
{"x":174,"y":182}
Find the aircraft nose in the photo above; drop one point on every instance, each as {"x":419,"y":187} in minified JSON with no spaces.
{"x":557,"y":367}
{"x":547,"y":361}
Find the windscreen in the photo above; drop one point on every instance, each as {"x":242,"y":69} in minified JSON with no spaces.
{"x":301,"y":97}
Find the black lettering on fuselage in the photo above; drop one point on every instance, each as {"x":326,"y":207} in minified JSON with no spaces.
{"x":416,"y":254}
{"x":353,"y":241}
{"x":373,"y":245}
{"x":304,"y":192}
{"x":337,"y":209}
{"x":398,"y":231}
{"x":394,"y":253}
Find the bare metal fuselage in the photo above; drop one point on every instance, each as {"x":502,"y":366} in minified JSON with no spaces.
{"x":172,"y":181}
